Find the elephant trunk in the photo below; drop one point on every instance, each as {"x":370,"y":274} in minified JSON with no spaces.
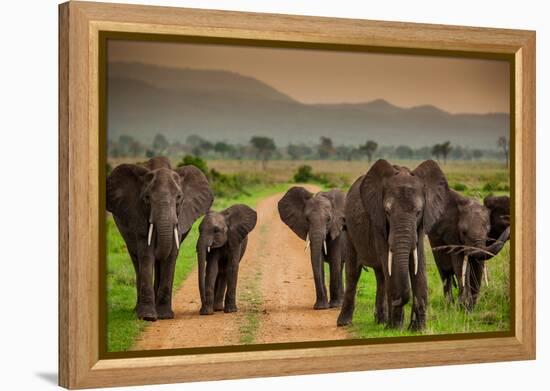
{"x":164,"y":224}
{"x":491,"y":250}
{"x":401,"y":246}
{"x":203,"y":248}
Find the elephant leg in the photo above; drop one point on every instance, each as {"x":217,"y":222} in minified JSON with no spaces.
{"x":165,"y":274}
{"x":146,"y":305}
{"x":156,"y":270}
{"x":210,"y":281}
{"x":381,"y":311}
{"x":448,"y":288}
{"x":476,"y":278}
{"x":420,"y":293}
{"x":219,"y":290}
{"x":336,"y":283}
{"x":231,"y":278}
{"x":353,"y":272}
{"x":135,"y":263}
{"x":335,"y":267}
{"x":317,"y":265}
{"x":444,"y":264}
{"x":464,"y":297}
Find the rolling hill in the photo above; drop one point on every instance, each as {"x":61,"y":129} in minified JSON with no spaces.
{"x":218,"y":105}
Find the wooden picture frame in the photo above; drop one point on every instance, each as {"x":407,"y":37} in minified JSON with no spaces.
{"x":81,"y":364}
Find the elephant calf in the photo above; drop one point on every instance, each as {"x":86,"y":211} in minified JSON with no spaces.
{"x":465,"y":226}
{"x":221,"y":245}
{"x":319,"y":220}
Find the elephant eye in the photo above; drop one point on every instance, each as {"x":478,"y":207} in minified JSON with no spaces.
{"x":179,"y":198}
{"x":147,"y":198}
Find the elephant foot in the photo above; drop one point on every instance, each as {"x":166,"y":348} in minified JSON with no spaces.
{"x":418,"y":321}
{"x":206,"y":310}
{"x":147,"y":313}
{"x":380,"y":318}
{"x":218,"y":306}
{"x":165,"y":313}
{"x":321,"y":305}
{"x":335,"y":303}
{"x":343,"y":320}
{"x":230,"y":308}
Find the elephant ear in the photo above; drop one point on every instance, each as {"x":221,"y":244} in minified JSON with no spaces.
{"x":197,"y":196}
{"x":372,"y":196}
{"x":436,"y":192}
{"x":338,"y":200}
{"x":499,"y":208}
{"x":123,"y":193}
{"x":240,"y":221}
{"x":291,"y":210}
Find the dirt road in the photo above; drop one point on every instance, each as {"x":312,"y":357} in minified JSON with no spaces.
{"x":275,"y":297}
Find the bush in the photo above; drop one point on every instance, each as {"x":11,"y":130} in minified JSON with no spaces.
{"x":190,"y":160}
{"x":304,"y":174}
{"x":496,"y":186}
{"x":459,"y":187}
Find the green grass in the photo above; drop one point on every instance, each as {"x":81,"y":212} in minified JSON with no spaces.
{"x":122,"y":325}
{"x":492,"y":312}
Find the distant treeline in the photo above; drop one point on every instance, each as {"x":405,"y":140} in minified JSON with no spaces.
{"x":265,"y":149}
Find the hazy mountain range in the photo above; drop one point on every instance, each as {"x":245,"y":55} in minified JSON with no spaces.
{"x":219,"y":105}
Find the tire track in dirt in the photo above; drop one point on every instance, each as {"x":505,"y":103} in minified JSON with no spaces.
{"x":275,"y":297}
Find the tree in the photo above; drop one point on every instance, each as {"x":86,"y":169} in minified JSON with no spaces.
{"x":264,"y":147}
{"x":223,"y":148}
{"x":326,"y":149}
{"x":404,"y":152}
{"x":436,"y":151}
{"x":503,"y":143}
{"x":369,"y":148}
{"x":445,"y":149}
{"x":160,"y":144}
{"x":477,"y":154}
{"x":298,"y":151}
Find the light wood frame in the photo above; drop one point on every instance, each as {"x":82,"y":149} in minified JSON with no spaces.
{"x":80,"y":365}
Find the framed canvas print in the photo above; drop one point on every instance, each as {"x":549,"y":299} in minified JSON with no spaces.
{"x":247,"y":195}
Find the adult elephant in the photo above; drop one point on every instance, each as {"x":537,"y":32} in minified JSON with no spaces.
{"x":387,"y":213}
{"x":154,"y":207}
{"x":468,"y":235}
{"x":319,"y":220}
{"x":221,"y":246}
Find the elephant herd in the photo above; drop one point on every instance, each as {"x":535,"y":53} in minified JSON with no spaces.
{"x":379,"y":224}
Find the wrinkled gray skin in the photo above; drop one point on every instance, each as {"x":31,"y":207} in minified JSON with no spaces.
{"x":139,"y":195}
{"x":221,"y":245}
{"x":321,"y":216}
{"x":468,"y":223}
{"x":390,"y":209}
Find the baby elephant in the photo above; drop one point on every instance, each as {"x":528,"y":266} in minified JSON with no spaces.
{"x":319,"y":220}
{"x":221,"y":245}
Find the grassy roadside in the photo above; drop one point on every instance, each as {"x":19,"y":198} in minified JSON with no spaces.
{"x":122,"y":325}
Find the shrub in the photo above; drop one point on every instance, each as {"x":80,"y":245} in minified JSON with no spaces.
{"x":304,"y":174}
{"x":190,"y":160}
{"x":459,"y":187}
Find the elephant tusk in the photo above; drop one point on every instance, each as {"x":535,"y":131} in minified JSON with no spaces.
{"x":390,"y":256}
{"x":415,"y":257}
{"x":325,"y":247}
{"x":464,"y":266}
{"x":307,"y":242}
{"x":177,"y":237}
{"x":485,"y":276}
{"x":150,"y":234}
{"x":208,"y":249}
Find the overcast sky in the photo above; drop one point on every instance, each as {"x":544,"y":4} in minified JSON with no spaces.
{"x":314,"y":76}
